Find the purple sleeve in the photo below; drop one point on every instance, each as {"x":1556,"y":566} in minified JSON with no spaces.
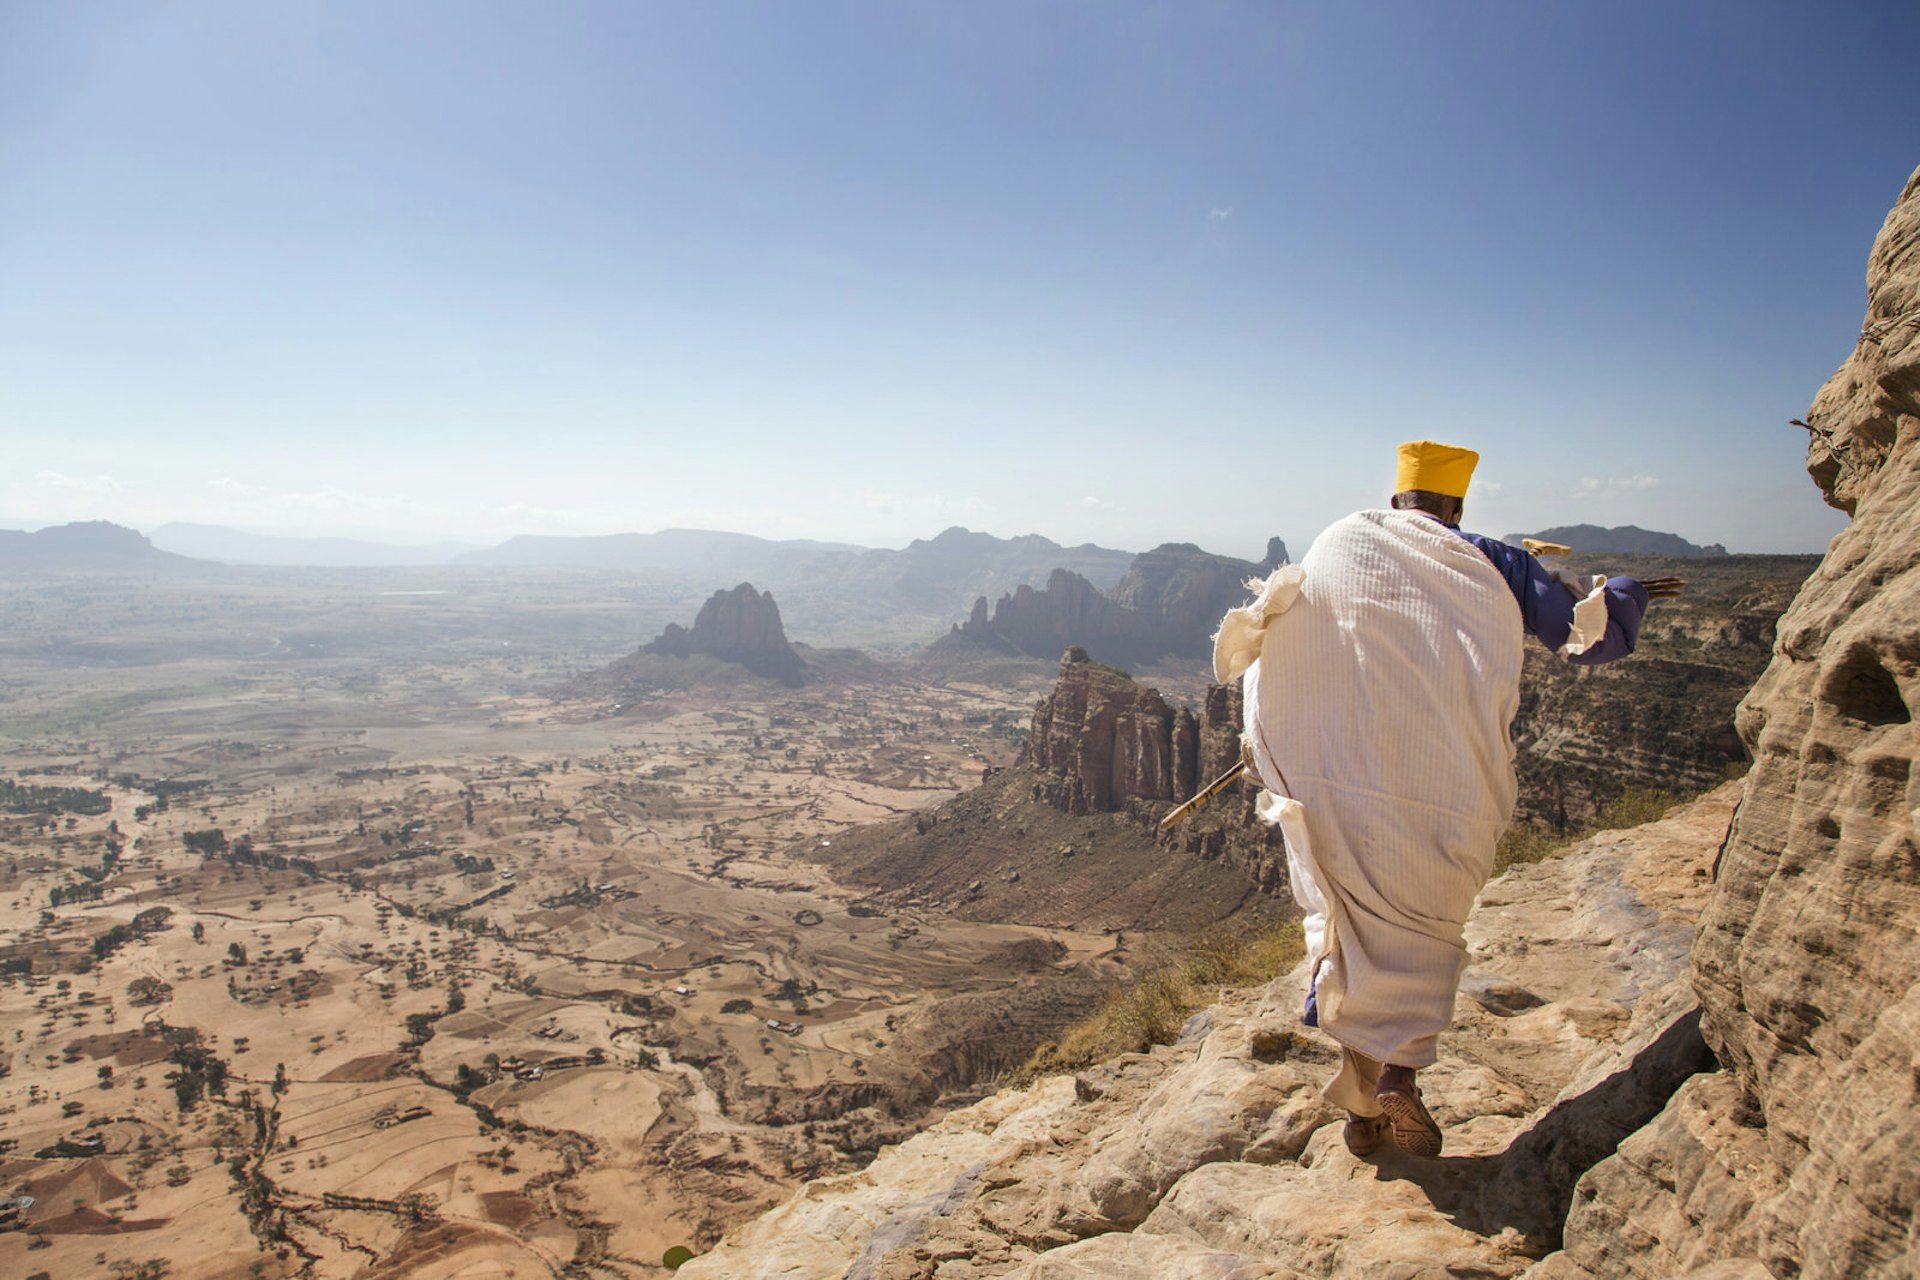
{"x":1546,"y":606}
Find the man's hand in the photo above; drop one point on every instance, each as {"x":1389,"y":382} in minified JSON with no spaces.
{"x":1662,"y":588}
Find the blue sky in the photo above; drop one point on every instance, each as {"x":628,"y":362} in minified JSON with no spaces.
{"x":1122,"y":273}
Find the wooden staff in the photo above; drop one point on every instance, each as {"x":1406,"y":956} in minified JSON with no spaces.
{"x":1206,"y":793}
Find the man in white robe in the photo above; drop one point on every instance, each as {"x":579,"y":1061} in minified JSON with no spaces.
{"x":1381,"y":676}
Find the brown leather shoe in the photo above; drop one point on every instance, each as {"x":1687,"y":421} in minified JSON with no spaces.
{"x":1414,"y":1131}
{"x":1362,"y":1133}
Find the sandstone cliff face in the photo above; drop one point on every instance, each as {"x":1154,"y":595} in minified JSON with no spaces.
{"x":1803,"y":1156}
{"x":1102,"y":740}
{"x":1103,"y":743}
{"x":1069,"y":835}
{"x":740,"y":625}
{"x":1665,"y":718}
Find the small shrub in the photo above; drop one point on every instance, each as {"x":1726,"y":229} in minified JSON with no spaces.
{"x":1152,"y":1010}
{"x":1634,"y":807}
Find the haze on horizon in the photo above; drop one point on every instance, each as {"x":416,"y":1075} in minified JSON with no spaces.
{"x":1120,"y":274}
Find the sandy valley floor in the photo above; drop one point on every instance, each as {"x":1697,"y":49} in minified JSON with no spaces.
{"x":471,"y":981}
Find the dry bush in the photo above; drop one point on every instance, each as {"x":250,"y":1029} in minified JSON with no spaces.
{"x":1634,"y":807}
{"x":1151,"y":1010}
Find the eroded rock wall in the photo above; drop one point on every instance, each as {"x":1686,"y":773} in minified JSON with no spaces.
{"x":1103,"y":739}
{"x":1802,"y":1156}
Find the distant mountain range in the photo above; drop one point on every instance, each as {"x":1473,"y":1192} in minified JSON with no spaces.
{"x":1166,"y":606}
{"x":233,"y":546}
{"x":85,"y":546}
{"x":1627,"y":539}
{"x":1125,"y":608}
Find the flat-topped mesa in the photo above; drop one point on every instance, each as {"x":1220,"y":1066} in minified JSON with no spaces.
{"x":84,"y":545}
{"x":1626,"y":539}
{"x":741,"y":625}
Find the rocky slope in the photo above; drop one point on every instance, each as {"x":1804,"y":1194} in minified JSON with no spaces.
{"x":1217,"y":1157}
{"x":1068,"y":836}
{"x":1664,"y":718}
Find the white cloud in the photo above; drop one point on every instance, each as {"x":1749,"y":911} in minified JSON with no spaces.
{"x":228,"y":486}
{"x":75,"y":484}
{"x":1219,"y":215}
{"x":1596,"y":486}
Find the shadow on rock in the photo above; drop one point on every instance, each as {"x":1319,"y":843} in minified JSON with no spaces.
{"x":1528,"y":1188}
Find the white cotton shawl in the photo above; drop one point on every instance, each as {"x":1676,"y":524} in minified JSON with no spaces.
{"x":1388,"y":673}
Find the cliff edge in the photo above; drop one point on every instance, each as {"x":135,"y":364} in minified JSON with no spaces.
{"x":1217,"y":1157}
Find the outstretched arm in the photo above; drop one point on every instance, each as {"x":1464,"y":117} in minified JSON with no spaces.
{"x":1546,"y":603}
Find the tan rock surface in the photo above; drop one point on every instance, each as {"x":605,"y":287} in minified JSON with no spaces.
{"x":1216,"y":1157}
{"x":1801,"y":1157}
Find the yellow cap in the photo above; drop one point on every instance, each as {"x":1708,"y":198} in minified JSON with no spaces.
{"x":1435,"y":467}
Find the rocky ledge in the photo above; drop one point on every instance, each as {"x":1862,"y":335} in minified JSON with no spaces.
{"x":1216,"y":1157}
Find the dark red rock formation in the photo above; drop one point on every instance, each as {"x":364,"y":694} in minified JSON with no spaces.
{"x":1103,"y":743}
{"x":740,"y":625}
{"x":1102,"y":740}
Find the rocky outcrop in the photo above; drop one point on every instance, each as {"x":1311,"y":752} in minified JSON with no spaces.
{"x":1102,"y":740}
{"x":1216,"y":1157}
{"x":1802,"y":1157}
{"x":1664,"y":718}
{"x":1103,"y":743}
{"x":741,"y":626}
{"x":1068,"y":836}
{"x":1069,"y":610}
{"x":1182,"y":592}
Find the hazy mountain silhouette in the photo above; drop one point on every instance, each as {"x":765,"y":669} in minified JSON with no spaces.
{"x":91,"y":546}
{"x":1624,"y":539}
{"x":236,"y":546}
